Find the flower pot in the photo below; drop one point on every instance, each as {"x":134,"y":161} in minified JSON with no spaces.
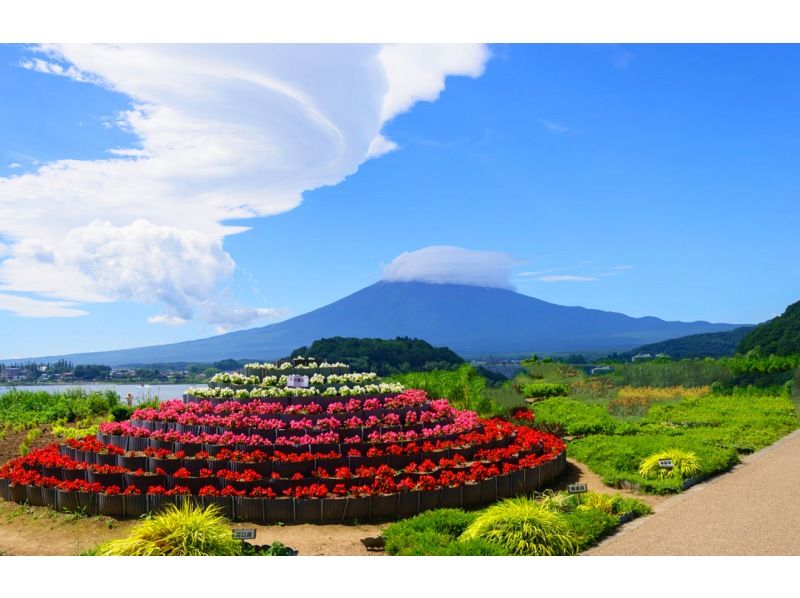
{"x":287,"y":468}
{"x":53,"y":472}
{"x":216,"y":465}
{"x":49,"y":497}
{"x":517,"y":482}
{"x":471,"y":495}
{"x":333,"y":509}
{"x":76,"y":502}
{"x":308,"y":510}
{"x":168,"y":465}
{"x":73,"y":474}
{"x":451,"y":498}
{"x":190,"y":448}
{"x":249,"y":509}
{"x":106,"y":479}
{"x":246,"y":486}
{"x":408,"y":503}
{"x":135,"y":505}
{"x":34,"y":495}
{"x":504,"y":488}
{"x":105,"y":458}
{"x":5,"y":492}
{"x":224,"y":503}
{"x":143,"y":482}
{"x":356,"y":508}
{"x":383,"y":506}
{"x":194,"y":483}
{"x":133,"y":463}
{"x":111,"y":505}
{"x":488,"y":491}
{"x":194,"y":465}
{"x":158,"y":502}
{"x":429,"y":499}
{"x":137,"y":444}
{"x":18,"y":493}
{"x":279,"y":510}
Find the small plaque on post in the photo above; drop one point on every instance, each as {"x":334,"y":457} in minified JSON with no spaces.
{"x":296,"y":381}
{"x":244,"y":534}
{"x":665,"y":463}
{"x":577,"y":488}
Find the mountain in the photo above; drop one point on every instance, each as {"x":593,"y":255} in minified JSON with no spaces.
{"x":472,"y":321}
{"x":779,"y":336}
{"x":710,"y":344}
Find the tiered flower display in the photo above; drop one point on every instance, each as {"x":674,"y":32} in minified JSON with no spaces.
{"x":289,"y":456}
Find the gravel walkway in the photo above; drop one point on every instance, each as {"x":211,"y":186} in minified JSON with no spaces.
{"x":752,"y":510}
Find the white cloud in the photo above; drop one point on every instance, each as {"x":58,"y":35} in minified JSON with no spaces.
{"x":223,"y":132}
{"x":167,"y":320}
{"x":35,"y":308}
{"x":15,"y":165}
{"x":452,"y":265}
{"x":555,"y":127}
{"x":565,"y":278}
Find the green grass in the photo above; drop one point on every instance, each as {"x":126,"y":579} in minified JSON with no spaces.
{"x":575,"y":417}
{"x":555,"y":523}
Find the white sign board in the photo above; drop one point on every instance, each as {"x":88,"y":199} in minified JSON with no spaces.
{"x":296,"y":381}
{"x":577,"y":488}
{"x":665,"y":463}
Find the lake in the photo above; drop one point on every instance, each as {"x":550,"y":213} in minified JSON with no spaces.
{"x":140,"y":392}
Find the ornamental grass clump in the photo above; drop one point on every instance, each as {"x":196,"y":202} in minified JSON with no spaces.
{"x":178,"y":531}
{"x":524,"y":527}
{"x":684,"y":465}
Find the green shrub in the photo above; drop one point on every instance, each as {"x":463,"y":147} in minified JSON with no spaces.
{"x":429,"y":533}
{"x":178,"y":531}
{"x":523,"y":526}
{"x":576,"y":418}
{"x":545,"y":389}
{"x":684,"y":465}
{"x":121,"y":412}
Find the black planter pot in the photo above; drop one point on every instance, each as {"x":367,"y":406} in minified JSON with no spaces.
{"x":170,"y":466}
{"x":383,"y":506}
{"x":105,"y":458}
{"x":137,"y":444}
{"x":265,"y":468}
{"x":408,"y":503}
{"x":190,"y":448}
{"x":279,"y":485}
{"x":107,"y":479}
{"x":471,"y":495}
{"x":34,"y":496}
{"x":194,"y":484}
{"x":397,"y":461}
{"x":216,"y":465}
{"x":331,"y":465}
{"x":333,"y":509}
{"x":308,"y":510}
{"x":531,"y":477}
{"x":18,"y":493}
{"x":73,"y":474}
{"x":76,"y":502}
{"x":68,"y":451}
{"x":213,"y":449}
{"x":287,"y":468}
{"x":133,"y":463}
{"x":111,"y":505}
{"x":451,"y":498}
{"x":517,"y":482}
{"x":279,"y":510}
{"x":49,"y":497}
{"x":246,"y":486}
{"x":53,"y":472}
{"x":357,"y":508}
{"x":356,"y":462}
{"x":489,"y":491}
{"x":135,"y":505}
{"x":158,"y":502}
{"x":504,"y":487}
{"x":143,"y":482}
{"x":224,"y":503}
{"x":194,"y":465}
{"x":429,"y":499}
{"x":249,"y":509}
{"x":5,"y":492}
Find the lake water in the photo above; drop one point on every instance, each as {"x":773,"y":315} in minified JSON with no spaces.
{"x":140,"y":392}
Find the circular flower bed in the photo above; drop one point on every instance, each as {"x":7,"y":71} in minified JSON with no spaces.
{"x":290,"y":458}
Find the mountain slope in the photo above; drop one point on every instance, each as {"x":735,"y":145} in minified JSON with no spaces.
{"x":778,"y":336}
{"x":472,"y":321}
{"x":710,"y":344}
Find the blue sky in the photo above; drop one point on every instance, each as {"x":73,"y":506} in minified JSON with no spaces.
{"x":651,"y":180}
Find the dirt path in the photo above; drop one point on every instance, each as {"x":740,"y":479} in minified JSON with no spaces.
{"x":751,"y":510}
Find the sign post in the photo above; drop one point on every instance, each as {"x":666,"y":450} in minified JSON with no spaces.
{"x":665,"y":463}
{"x":244,"y":534}
{"x":577,"y":489}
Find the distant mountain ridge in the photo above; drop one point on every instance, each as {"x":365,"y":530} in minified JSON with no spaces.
{"x":709,"y":344}
{"x":778,"y":336}
{"x":472,"y":321}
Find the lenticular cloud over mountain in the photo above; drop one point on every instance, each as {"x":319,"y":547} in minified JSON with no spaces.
{"x":224,"y":132}
{"x":445,"y":264}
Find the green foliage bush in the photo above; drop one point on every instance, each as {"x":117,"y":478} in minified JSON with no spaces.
{"x":684,"y":465}
{"x":435,"y":533}
{"x":545,"y":389}
{"x":28,"y":408}
{"x":178,"y":531}
{"x":576,"y":417}
{"x":522,"y":526}
{"x":464,"y":388}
